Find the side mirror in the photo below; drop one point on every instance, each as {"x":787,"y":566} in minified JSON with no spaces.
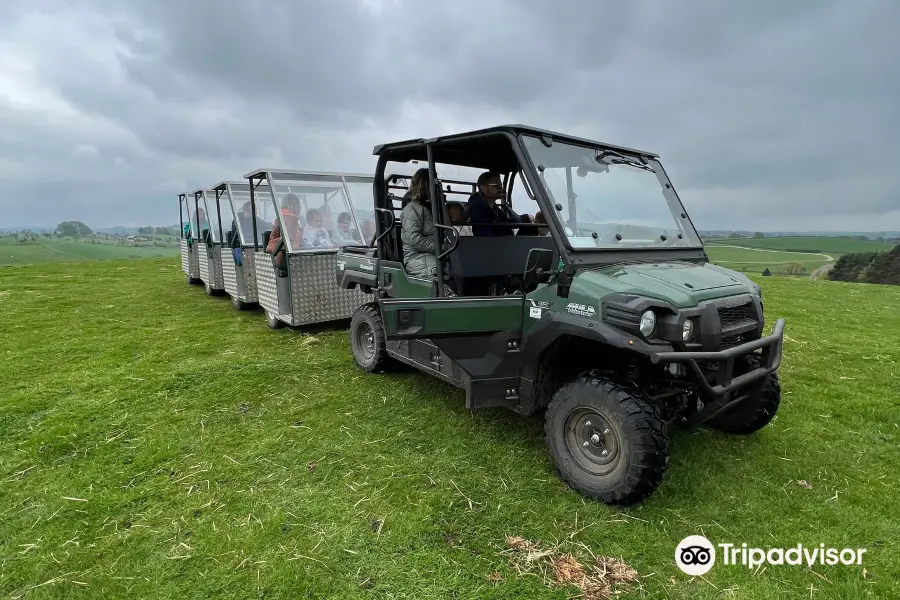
{"x":538,"y":267}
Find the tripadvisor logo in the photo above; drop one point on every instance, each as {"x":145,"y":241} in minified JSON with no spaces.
{"x":696,"y":555}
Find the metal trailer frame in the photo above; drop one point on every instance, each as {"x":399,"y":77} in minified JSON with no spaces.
{"x":190,"y":261}
{"x":209,"y":257}
{"x":239,"y":276}
{"x":305,"y":292}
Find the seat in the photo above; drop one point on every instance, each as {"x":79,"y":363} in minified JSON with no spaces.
{"x":479,"y":259}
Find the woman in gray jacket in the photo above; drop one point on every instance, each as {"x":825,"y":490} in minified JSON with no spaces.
{"x":417,"y":229}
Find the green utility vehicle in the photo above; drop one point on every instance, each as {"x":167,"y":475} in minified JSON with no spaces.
{"x":610,"y":317}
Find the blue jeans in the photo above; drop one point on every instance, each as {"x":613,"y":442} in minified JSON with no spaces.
{"x":238,"y":256}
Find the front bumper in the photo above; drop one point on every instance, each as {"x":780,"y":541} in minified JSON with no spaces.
{"x":724,"y":380}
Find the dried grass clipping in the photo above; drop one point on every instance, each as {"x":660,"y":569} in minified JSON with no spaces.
{"x":601,"y":580}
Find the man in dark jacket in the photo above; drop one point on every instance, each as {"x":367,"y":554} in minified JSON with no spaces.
{"x":484,"y":209}
{"x":246,"y":219}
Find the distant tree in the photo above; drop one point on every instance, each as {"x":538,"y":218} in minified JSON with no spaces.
{"x":734,"y":235}
{"x":46,"y":234}
{"x":759,"y":234}
{"x":793,"y":268}
{"x":73,"y":229}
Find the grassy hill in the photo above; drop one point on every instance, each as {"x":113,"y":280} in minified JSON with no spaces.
{"x":53,"y":250}
{"x":834,"y":246}
{"x":155,"y":443}
{"x":756,"y":260}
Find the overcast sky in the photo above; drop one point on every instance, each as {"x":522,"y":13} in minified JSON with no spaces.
{"x":767,"y":114}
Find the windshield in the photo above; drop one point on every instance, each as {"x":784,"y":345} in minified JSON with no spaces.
{"x":605,"y":199}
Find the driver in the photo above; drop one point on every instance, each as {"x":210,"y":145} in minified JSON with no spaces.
{"x":484,"y":209}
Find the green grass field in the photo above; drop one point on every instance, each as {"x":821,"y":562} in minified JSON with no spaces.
{"x":834,"y":246}
{"x":155,"y":443}
{"x":54,"y":250}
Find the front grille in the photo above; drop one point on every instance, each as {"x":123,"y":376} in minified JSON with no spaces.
{"x":738,"y":320}
{"x":734,"y":315}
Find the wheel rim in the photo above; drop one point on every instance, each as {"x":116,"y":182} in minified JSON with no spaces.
{"x":365,"y":340}
{"x":592,"y":441}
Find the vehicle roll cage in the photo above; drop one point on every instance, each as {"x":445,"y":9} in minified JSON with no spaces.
{"x":507,"y":169}
{"x":501,"y":150}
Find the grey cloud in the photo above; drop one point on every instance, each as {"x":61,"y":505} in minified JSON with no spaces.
{"x":785,"y":108}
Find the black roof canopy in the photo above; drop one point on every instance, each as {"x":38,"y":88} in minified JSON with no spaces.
{"x":483,"y":148}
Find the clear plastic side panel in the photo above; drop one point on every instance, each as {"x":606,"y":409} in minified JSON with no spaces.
{"x":241,"y":214}
{"x":314,"y":211}
{"x":362,"y":204}
{"x":189,"y":217}
{"x":266,"y":215}
{"x":199,"y":220}
{"x":209,"y":203}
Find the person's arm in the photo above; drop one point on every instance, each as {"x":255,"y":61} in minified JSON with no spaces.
{"x":413,"y":224}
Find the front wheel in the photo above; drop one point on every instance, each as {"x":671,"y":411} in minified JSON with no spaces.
{"x":757,"y":410}
{"x":273,"y":321}
{"x":367,"y":338}
{"x":607,"y":441}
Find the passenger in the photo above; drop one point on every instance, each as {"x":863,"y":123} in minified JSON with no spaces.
{"x":290,"y":207}
{"x":458,"y":218}
{"x":539,"y":218}
{"x":417,"y":231}
{"x":369,"y":230}
{"x":314,"y":235}
{"x":484,"y":210}
{"x":345,"y":234}
{"x":204,"y":224}
{"x":245,"y":217}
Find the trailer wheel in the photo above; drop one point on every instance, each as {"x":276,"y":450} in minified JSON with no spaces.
{"x":607,"y":442}
{"x":367,"y":338}
{"x":757,"y":410}
{"x":239,"y":304}
{"x":273,"y":321}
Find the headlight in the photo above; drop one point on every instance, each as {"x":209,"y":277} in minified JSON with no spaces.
{"x":687,"y":330}
{"x":648,"y":322}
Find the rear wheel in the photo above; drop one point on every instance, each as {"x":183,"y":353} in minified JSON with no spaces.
{"x":757,"y":410}
{"x":367,"y":338}
{"x":273,"y":322}
{"x":607,"y":441}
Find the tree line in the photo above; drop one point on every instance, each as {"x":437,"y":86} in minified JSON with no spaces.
{"x":868,"y":267}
